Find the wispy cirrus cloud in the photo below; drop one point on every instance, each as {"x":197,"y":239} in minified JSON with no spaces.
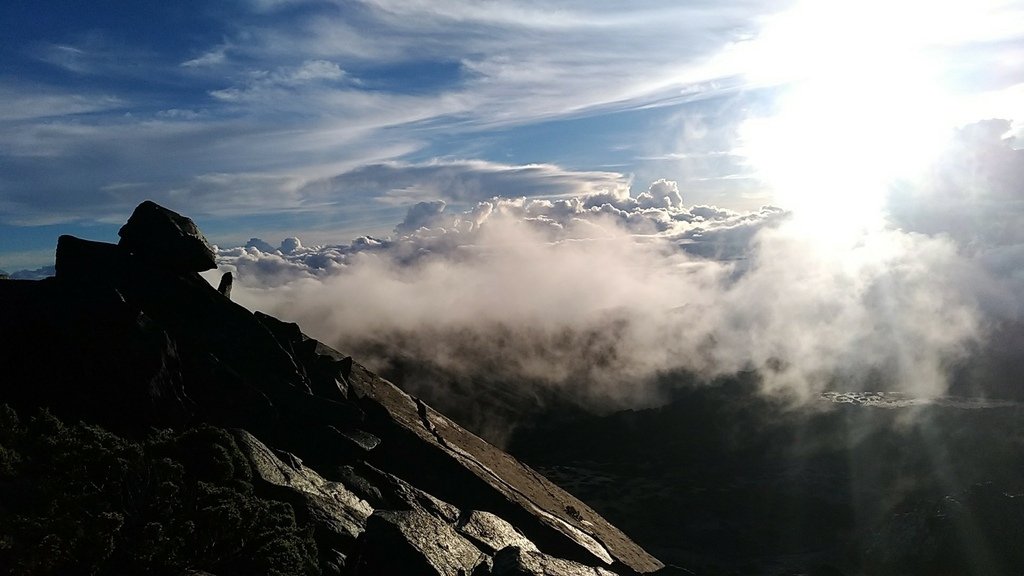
{"x":280,"y":96}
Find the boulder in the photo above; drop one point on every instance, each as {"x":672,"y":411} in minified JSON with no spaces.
{"x":166,"y":239}
{"x":226,"y":280}
{"x":89,"y":261}
{"x":491,"y":533}
{"x":414,"y":542}
{"x":514,"y":561}
{"x":338,"y":516}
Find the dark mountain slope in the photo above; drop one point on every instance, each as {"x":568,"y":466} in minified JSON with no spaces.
{"x":129,"y":338}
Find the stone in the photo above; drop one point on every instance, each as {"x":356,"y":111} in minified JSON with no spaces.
{"x":166,"y":239}
{"x":337,"y":514}
{"x":389,"y":492}
{"x":88,"y":261}
{"x":492,"y":533}
{"x":364,"y":440}
{"x":414,"y":542}
{"x":226,"y":280}
{"x":514,"y":561}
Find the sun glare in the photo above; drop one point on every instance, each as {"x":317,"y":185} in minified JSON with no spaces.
{"x":861,"y":102}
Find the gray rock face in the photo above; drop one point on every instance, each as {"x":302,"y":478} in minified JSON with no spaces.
{"x":166,"y":238}
{"x":513,"y":561}
{"x":438,"y":456}
{"x":350,"y":511}
{"x":414,"y":542}
{"x":491,"y":533}
{"x":338,"y":516}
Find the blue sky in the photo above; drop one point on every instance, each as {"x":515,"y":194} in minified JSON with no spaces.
{"x":328,"y":120}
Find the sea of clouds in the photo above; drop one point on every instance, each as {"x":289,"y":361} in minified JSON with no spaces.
{"x":602,"y":294}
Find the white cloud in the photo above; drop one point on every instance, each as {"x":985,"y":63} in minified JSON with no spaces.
{"x":214,"y":57}
{"x":265,"y":84}
{"x":24,"y":102}
{"x":597,"y":300}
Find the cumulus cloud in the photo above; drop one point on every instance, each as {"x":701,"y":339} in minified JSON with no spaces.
{"x":600,"y":297}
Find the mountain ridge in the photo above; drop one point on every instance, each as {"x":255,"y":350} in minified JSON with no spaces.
{"x":130,"y":337}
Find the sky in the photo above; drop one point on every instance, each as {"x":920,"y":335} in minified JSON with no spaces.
{"x":329,"y":119}
{"x":824,"y":191}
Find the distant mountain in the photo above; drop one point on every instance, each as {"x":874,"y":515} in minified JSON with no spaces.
{"x":37,"y":274}
{"x":154,"y":426}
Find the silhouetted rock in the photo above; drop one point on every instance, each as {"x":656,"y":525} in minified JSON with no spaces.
{"x":226,"y":280}
{"x":84,"y":352}
{"x":167,"y":239}
{"x":89,"y":261}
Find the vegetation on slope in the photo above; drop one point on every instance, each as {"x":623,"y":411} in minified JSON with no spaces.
{"x":76,"y":499}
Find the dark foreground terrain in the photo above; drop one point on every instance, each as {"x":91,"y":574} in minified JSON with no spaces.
{"x":149,"y":425}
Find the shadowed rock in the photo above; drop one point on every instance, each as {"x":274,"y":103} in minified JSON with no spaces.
{"x":226,"y":280}
{"x":491,"y":533}
{"x":166,"y":238}
{"x":89,"y":261}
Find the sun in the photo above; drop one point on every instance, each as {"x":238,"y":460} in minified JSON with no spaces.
{"x":860,"y":102}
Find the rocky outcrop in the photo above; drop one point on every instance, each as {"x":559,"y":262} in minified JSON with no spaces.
{"x":166,"y":238}
{"x":514,"y":561}
{"x":415,"y":542}
{"x":129,"y":336}
{"x":491,"y":533}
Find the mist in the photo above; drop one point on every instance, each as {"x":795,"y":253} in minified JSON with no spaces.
{"x":598,"y":297}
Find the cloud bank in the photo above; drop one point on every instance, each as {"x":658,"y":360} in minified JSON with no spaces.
{"x":603,"y":297}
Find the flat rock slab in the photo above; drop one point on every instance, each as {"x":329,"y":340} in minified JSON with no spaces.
{"x":514,"y":561}
{"x":438,"y":456}
{"x":492,"y":533}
